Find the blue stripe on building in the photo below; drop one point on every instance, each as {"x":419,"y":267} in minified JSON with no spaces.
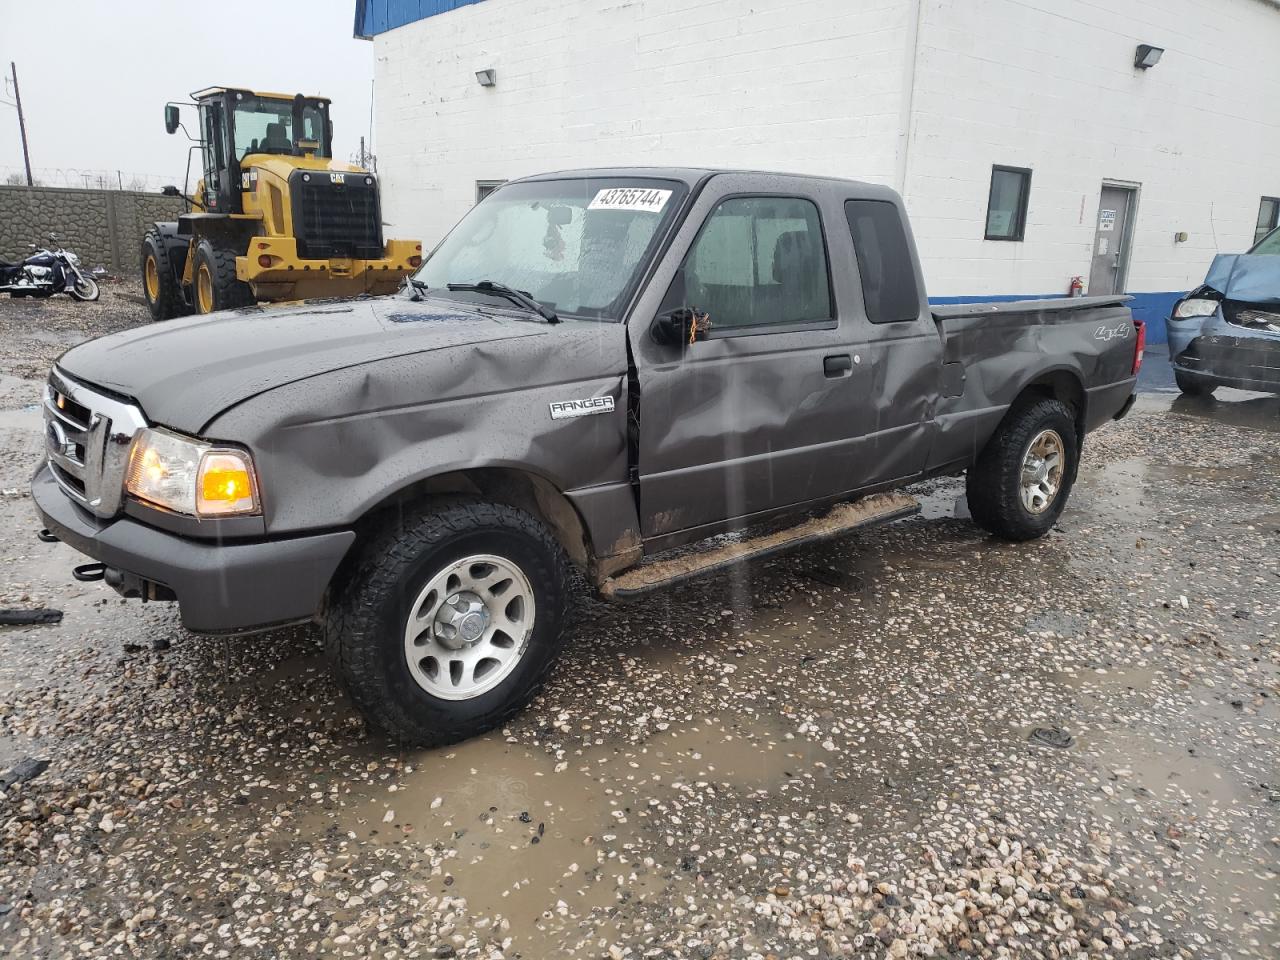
{"x":1153,"y":309}
{"x":378,"y":16}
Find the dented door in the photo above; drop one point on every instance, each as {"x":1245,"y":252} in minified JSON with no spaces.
{"x":778,"y":410}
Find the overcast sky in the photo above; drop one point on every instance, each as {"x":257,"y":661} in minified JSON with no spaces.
{"x":95,"y":75}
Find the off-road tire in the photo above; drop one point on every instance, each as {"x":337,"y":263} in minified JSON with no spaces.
{"x":993,"y":483}
{"x":168,"y":302}
{"x":228,"y":292}
{"x":1193,"y":387}
{"x":365,"y":624}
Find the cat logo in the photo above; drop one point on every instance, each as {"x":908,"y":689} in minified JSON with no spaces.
{"x":337,"y":178}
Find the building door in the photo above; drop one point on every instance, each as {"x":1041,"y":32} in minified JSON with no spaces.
{"x":1111,"y":239}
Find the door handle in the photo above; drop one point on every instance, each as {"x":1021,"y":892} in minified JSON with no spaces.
{"x":838,"y":365}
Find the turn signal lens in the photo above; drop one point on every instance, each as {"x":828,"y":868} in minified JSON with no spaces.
{"x":226,"y":485}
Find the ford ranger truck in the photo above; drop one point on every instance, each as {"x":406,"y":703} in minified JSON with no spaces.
{"x":591,"y":370}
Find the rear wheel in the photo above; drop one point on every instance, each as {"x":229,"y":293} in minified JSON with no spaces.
{"x":215,"y":284}
{"x":450,"y":622}
{"x":1019,"y":486}
{"x":1192,"y":386}
{"x":159,"y":283}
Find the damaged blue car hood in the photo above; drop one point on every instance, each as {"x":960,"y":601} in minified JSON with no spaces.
{"x":1252,"y":278}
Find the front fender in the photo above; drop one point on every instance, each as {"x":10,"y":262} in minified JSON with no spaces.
{"x":329,"y":449}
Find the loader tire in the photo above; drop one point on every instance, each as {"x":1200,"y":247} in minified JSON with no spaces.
{"x":215,"y":286}
{"x":160,"y":285}
{"x":1019,"y":485}
{"x":449,"y":620}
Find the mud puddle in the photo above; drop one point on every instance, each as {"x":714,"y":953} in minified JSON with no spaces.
{"x":554,"y":844}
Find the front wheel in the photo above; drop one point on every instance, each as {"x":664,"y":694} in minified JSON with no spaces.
{"x":1193,"y":386}
{"x":1019,"y":485}
{"x":216,"y":286}
{"x":450,"y":622}
{"x":84,"y":288}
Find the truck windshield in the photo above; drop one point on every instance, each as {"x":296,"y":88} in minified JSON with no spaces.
{"x":578,"y":246}
{"x":265,"y":125}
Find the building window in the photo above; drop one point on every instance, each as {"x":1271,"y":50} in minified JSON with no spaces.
{"x":486,"y":187}
{"x":885,"y":265}
{"x":760,"y":261}
{"x":1268,"y":217}
{"x":1007,"y":203}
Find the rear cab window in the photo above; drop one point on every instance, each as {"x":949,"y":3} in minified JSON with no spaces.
{"x":889,"y":287}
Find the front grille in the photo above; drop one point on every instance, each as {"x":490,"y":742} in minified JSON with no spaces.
{"x":87,"y":439}
{"x":333,"y":219}
{"x":67,"y":427}
{"x":1252,"y":317}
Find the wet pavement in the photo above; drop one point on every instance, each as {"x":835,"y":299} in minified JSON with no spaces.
{"x":915,"y":741}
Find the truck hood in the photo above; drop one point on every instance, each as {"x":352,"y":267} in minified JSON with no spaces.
{"x":186,"y":372}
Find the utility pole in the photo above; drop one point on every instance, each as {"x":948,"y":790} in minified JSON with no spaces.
{"x":22,"y":123}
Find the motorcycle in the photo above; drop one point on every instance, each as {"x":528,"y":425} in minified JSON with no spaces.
{"x":48,"y":271}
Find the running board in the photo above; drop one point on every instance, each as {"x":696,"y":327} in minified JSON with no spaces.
{"x":839,"y":520}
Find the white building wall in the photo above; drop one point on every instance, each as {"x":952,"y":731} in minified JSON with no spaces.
{"x":1050,"y":85}
{"x":807,"y":86}
{"x":831,"y":86}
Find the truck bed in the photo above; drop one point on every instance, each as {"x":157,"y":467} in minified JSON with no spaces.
{"x":954,"y":311}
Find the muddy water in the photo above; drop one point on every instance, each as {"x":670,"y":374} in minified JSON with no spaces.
{"x":552,"y":846}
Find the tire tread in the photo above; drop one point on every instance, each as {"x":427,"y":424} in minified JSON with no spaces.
{"x":170,"y":303}
{"x":353,"y":622}
{"x":992,"y":482}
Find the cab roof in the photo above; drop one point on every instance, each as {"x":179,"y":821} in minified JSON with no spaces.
{"x":214,"y":91}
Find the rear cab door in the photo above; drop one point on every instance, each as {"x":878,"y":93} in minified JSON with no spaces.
{"x":791,"y":398}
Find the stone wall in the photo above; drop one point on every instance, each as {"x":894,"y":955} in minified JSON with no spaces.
{"x":104,"y":227}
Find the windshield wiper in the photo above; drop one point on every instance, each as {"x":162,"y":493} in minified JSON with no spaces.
{"x":419,"y":287}
{"x":510,"y":293}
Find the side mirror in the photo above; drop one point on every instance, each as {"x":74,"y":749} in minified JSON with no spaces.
{"x":170,"y":191}
{"x":171,"y":118}
{"x":681,"y":327}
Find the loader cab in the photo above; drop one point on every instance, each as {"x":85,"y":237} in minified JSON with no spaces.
{"x":235,"y":124}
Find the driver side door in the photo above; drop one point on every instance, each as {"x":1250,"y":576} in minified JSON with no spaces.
{"x":750,"y":419}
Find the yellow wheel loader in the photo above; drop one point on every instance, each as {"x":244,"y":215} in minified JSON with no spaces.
{"x":274,"y":217}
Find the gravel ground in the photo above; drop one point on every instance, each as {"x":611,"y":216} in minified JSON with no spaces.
{"x":911,"y":742}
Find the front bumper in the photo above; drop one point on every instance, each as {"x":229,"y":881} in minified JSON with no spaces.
{"x":1216,"y":352}
{"x":290,"y":275}
{"x":1244,"y":362}
{"x":220,"y":587}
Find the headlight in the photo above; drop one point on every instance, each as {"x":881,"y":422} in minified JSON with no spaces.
{"x":190,"y":476}
{"x":1196,"y":307}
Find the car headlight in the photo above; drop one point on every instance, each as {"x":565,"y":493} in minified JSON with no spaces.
{"x":1195,"y":307}
{"x":190,"y":476}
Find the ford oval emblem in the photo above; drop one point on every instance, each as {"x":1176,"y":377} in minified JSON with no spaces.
{"x":59,"y":442}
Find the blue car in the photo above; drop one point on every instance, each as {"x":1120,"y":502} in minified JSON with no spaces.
{"x":1226,"y":332}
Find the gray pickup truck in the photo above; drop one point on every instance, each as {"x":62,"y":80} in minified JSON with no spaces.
{"x":593,"y":369}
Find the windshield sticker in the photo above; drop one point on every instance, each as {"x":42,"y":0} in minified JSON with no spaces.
{"x":631,"y":198}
